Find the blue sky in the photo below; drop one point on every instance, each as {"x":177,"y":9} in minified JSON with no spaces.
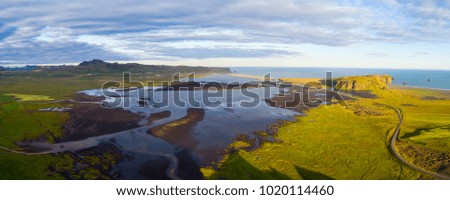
{"x":321,"y":33}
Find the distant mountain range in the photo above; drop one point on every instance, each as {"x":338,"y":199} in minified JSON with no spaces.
{"x":26,"y":68}
{"x":98,"y":67}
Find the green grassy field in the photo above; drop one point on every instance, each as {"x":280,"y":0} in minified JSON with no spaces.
{"x":425,"y":134}
{"x":22,"y":94}
{"x":22,"y":167}
{"x":30,"y":97}
{"x":351,"y":142}
{"x":54,"y":87}
{"x":22,"y":121}
{"x":331,"y":142}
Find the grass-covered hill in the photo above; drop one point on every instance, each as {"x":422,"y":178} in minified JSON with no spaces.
{"x":348,"y":83}
{"x":352,"y":141}
{"x":99,"y":67}
{"x":60,"y":82}
{"x":370,"y":82}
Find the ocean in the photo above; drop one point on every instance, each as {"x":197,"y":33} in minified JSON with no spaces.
{"x":418,"y":78}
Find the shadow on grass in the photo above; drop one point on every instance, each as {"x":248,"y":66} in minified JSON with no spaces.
{"x":237,"y":168}
{"x":422,"y":130}
{"x":307,"y":174}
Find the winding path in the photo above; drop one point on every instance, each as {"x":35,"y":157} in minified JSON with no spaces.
{"x":25,"y":153}
{"x":401,"y":158}
{"x":172,"y":169}
{"x":72,"y":146}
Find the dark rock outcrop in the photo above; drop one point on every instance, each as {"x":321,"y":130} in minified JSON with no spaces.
{"x":92,"y":62}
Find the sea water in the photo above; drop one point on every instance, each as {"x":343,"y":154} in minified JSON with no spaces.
{"x":410,"y":77}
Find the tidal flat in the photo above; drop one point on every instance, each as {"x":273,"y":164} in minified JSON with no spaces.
{"x":290,"y":134}
{"x":199,"y":134}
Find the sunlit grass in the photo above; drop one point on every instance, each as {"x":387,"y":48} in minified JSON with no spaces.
{"x":21,"y":121}
{"x":349,"y":142}
{"x":31,"y":97}
{"x":329,"y":142}
{"x":21,"y":167}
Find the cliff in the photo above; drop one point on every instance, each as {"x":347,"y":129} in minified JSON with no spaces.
{"x":370,"y":82}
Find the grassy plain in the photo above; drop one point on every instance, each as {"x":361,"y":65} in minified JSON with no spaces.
{"x":18,"y":122}
{"x":30,"y":97}
{"x":21,"y":167}
{"x":351,"y":142}
{"x":22,"y":94}
{"x":425,"y":134}
{"x":301,"y":81}
{"x":22,"y":121}
{"x":331,"y":142}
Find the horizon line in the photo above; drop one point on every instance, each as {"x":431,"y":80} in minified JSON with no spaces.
{"x":145,"y":62}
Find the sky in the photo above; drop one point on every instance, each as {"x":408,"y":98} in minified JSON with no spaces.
{"x":321,"y":33}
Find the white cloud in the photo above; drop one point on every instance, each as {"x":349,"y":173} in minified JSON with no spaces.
{"x":52,"y":35}
{"x":171,"y":30}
